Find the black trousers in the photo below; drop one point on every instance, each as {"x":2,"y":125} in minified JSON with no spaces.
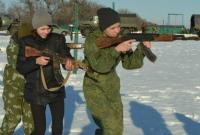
{"x":57,"y":114}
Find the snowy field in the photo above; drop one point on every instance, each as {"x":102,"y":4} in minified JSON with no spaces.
{"x":162,"y":98}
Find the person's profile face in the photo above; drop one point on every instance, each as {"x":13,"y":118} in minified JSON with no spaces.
{"x":113,"y":30}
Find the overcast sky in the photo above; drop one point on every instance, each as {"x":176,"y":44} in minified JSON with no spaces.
{"x":154,"y":10}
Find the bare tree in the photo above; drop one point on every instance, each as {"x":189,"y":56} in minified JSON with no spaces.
{"x":88,"y":9}
{"x":2,"y":8}
{"x":16,"y":11}
{"x":61,"y":10}
{"x":29,"y":5}
{"x":64,"y":14}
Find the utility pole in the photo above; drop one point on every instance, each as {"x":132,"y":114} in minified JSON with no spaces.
{"x":76,"y":23}
{"x":113,"y":5}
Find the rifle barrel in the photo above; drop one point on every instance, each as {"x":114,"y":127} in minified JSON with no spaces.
{"x":148,"y":37}
{"x":159,"y":37}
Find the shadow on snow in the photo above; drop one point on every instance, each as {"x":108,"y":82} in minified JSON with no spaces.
{"x":72,"y":99}
{"x":190,"y":126}
{"x":148,"y":119}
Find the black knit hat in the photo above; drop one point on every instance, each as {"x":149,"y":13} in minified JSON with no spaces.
{"x":107,"y":17}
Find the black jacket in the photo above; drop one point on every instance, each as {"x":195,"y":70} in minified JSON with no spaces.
{"x":34,"y":91}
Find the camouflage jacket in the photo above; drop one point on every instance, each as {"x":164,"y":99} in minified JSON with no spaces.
{"x":11,"y":75}
{"x":103,"y":62}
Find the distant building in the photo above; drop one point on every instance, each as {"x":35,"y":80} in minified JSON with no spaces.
{"x":195,"y":24}
{"x":166,"y":29}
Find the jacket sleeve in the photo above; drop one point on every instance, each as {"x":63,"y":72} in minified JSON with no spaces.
{"x":12,"y":51}
{"x":133,"y":59}
{"x":100,"y":60}
{"x":25,"y":65}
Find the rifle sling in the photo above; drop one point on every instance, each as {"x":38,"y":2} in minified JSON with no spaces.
{"x":54,"y":88}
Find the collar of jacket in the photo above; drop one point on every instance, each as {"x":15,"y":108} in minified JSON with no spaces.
{"x":37,"y":37}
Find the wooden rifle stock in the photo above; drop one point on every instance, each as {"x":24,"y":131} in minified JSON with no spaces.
{"x":33,"y":52}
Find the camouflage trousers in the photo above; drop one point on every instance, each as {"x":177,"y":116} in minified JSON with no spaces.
{"x":16,"y":108}
{"x":107,"y":111}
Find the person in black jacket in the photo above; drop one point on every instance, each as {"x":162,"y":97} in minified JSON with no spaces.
{"x":34,"y":91}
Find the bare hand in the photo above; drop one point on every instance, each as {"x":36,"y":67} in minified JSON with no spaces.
{"x":147,"y":44}
{"x":69,"y":64}
{"x":124,"y":46}
{"x":42,"y":60}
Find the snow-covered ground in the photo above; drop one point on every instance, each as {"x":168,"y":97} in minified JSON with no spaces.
{"x":162,"y":98}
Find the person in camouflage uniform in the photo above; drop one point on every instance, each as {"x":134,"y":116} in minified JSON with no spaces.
{"x":16,"y":108}
{"x":101,"y":84}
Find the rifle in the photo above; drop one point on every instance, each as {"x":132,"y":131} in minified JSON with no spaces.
{"x":103,"y":41}
{"x":33,"y":52}
{"x":57,"y":60}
